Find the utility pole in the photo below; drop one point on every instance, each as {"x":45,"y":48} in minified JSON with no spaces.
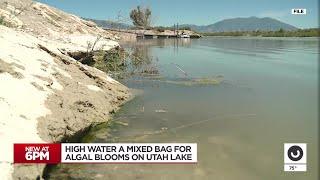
{"x":177,"y":29}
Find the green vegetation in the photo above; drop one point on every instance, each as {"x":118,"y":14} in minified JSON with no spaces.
{"x":91,"y":135}
{"x":314,"y":32}
{"x":118,"y":62}
{"x":110,"y":61}
{"x":105,"y":129}
{"x":3,"y":22}
{"x":185,"y":28}
{"x":141,"y":17}
{"x":161,"y":28}
{"x":196,"y":81}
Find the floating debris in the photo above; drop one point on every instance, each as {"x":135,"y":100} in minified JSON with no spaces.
{"x":180,"y":69}
{"x":188,"y":82}
{"x":160,"y":111}
{"x":142,"y":109}
{"x":208,"y":81}
{"x":121,"y":123}
{"x":198,"y":81}
{"x":151,"y":76}
{"x":164,"y":128}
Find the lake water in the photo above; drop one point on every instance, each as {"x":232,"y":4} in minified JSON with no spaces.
{"x":268,"y":96}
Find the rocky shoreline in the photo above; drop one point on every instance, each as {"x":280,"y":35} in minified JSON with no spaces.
{"x":46,"y":95}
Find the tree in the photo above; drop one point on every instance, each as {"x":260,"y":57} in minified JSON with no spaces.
{"x":281,"y":30}
{"x":141,"y":17}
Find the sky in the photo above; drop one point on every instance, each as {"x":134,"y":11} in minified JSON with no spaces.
{"x":199,"y":12}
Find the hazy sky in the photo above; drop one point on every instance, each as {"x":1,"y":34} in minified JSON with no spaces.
{"x":200,"y":12}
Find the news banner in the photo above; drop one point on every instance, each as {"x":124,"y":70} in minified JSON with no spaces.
{"x":106,"y":153}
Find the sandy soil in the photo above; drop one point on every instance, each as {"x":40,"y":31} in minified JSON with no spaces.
{"x":45,"y":95}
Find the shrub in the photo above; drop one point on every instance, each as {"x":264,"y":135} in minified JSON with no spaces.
{"x":160,"y":29}
{"x":185,"y":28}
{"x":1,"y":20}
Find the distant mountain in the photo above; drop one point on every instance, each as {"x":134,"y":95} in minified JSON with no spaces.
{"x":109,"y":24}
{"x":243,"y":24}
{"x":227,"y":25}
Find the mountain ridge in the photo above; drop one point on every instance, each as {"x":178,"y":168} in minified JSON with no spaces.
{"x":227,"y":25}
{"x":108,"y":24}
{"x":243,"y":24}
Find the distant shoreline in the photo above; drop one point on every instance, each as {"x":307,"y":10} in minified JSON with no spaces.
{"x":265,"y":37}
{"x":314,"y":32}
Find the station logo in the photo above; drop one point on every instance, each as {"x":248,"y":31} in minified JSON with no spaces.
{"x":295,"y":157}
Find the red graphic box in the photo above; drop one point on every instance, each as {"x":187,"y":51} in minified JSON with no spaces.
{"x":37,"y":153}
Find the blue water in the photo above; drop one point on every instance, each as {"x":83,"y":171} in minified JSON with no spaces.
{"x":268,"y":96}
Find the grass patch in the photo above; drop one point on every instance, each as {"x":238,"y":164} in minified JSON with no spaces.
{"x":104,"y":129}
{"x":1,"y":20}
{"x":110,"y":61}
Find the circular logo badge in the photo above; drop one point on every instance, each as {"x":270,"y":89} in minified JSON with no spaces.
{"x":295,"y":153}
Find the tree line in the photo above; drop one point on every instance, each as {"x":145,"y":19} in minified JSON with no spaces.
{"x":312,"y":32}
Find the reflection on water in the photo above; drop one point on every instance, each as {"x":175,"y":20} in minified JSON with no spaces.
{"x":268,"y":96}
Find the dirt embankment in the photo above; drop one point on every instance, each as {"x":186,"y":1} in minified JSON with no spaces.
{"x":46,"y":95}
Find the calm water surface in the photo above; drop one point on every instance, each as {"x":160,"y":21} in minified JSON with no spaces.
{"x":268,"y":96}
